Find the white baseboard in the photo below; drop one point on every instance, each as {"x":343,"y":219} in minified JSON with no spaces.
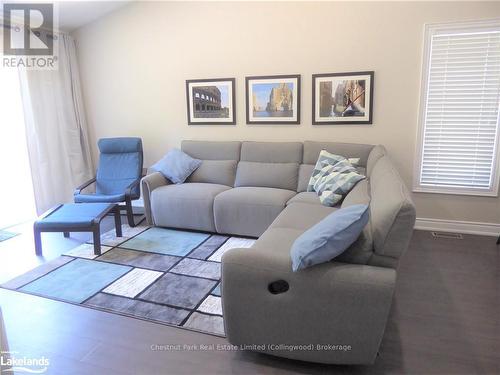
{"x":453,"y":226}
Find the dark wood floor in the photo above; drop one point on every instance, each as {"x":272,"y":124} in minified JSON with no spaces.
{"x":445,"y":319}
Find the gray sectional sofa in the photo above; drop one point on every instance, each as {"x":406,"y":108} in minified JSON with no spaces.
{"x":258,"y":189}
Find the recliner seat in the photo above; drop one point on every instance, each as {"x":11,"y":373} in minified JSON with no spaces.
{"x":188,"y":206}
{"x":266,"y":179}
{"x":249,"y":211}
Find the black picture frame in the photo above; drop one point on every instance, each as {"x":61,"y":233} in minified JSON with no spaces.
{"x":192,"y":120}
{"x":292,"y":120}
{"x":347,"y":120}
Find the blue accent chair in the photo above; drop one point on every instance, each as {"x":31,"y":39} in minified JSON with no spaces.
{"x":118,"y":175}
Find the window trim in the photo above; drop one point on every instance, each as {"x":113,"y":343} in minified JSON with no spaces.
{"x":429,"y":30}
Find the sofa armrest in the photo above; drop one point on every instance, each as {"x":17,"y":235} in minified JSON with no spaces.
{"x":392,"y":212}
{"x":148,"y":184}
{"x":333,"y":303}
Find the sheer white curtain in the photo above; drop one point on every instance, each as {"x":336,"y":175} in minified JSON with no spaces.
{"x":17,"y":202}
{"x":56,"y":128}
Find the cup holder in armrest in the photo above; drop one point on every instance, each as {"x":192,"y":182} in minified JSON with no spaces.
{"x":278,"y":287}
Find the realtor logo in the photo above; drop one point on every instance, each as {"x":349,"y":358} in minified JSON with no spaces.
{"x":11,"y":362}
{"x":28,"y":29}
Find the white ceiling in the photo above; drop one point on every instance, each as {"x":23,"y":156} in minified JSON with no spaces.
{"x":72,"y":14}
{"x":75,"y":14}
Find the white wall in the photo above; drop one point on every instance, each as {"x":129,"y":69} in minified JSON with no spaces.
{"x":134,"y":64}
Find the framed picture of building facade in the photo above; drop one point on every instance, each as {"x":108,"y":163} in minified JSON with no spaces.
{"x":273,"y":99}
{"x":342,"y":98}
{"x":211,"y":101}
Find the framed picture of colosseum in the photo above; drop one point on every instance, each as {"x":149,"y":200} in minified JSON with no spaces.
{"x":211,"y":101}
{"x":342,"y":98}
{"x":273,"y":99}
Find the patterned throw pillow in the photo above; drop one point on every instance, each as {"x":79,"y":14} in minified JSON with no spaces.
{"x":335,"y":181}
{"x":330,"y":159}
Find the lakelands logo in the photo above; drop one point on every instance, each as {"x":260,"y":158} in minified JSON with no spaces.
{"x":28,"y":35}
{"x":10,"y":363}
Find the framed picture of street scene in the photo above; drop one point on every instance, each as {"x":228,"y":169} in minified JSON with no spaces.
{"x":273,"y":99}
{"x":342,"y":98}
{"x":211,"y":101}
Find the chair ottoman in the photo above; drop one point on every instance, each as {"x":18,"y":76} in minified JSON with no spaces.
{"x":76,"y":217}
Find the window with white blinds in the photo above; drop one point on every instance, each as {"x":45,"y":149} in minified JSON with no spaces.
{"x":459,"y":119}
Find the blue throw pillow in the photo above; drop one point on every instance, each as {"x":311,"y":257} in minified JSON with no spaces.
{"x":176,"y":166}
{"x":330,"y":237}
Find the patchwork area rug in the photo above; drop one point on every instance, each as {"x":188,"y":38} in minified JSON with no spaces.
{"x":5,"y":235}
{"x":161,"y":275}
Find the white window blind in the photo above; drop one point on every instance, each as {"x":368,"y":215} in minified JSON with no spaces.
{"x":459,"y":120}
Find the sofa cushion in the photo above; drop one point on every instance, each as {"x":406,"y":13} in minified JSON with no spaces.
{"x":305,"y":173}
{"x":301,"y":216}
{"x":269,"y":164}
{"x":188,"y":205}
{"x":212,"y":150}
{"x":348,"y":150}
{"x":221,"y":172}
{"x":330,"y":237}
{"x":248,"y":211}
{"x":273,"y":175}
{"x":305,"y":197}
{"x":272,"y":152}
{"x":278,"y":241}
